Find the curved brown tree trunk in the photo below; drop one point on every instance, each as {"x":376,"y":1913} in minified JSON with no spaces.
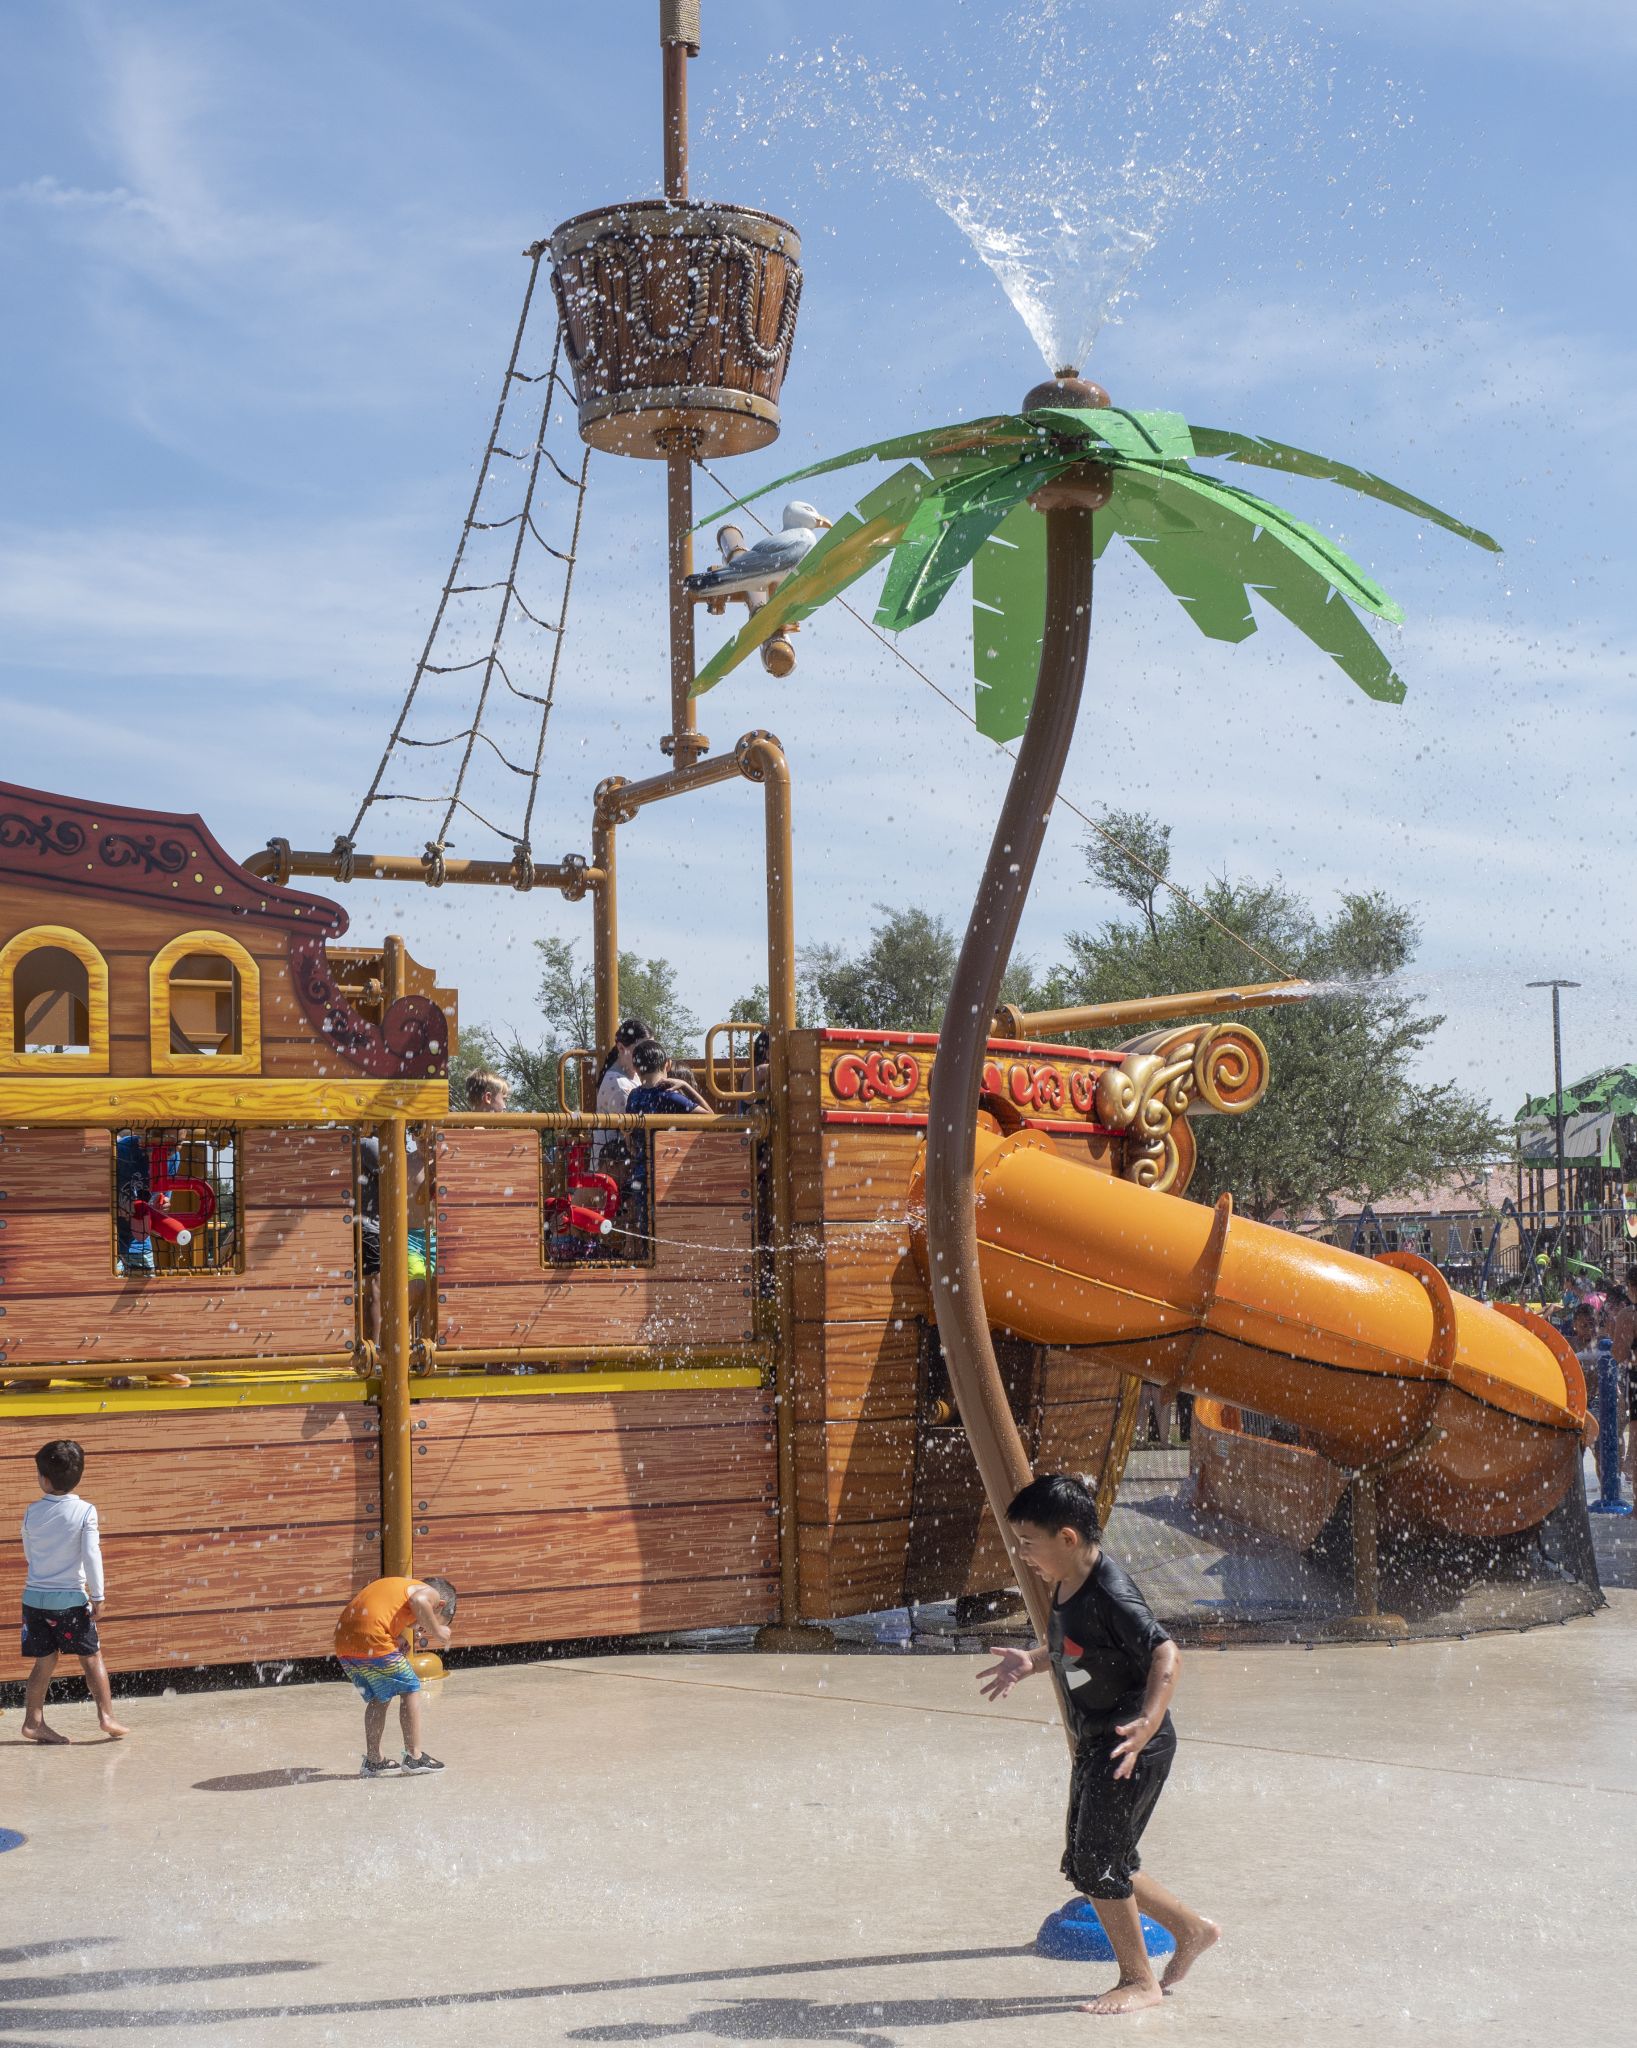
{"x":957,"y":1075}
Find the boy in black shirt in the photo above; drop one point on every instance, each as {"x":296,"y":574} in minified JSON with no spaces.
{"x":1119,"y":1669}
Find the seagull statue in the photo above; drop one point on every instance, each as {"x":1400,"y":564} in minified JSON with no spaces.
{"x":754,"y":573}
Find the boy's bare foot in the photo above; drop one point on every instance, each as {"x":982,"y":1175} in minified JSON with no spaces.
{"x":116,"y":1731}
{"x":1189,"y":1950}
{"x":1126,"y":1996}
{"x":39,"y":1732}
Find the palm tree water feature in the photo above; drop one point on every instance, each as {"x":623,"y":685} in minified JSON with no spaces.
{"x":1030,"y":500}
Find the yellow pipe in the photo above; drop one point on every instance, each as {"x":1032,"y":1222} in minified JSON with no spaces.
{"x":1011,"y":1022}
{"x":397,"y":1525}
{"x":666,"y":1380}
{"x":1373,"y":1361}
{"x":652,"y":1357}
{"x":271,"y":1393}
{"x":154,"y":1368}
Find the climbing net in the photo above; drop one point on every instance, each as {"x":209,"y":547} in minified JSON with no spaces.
{"x":485,"y":632}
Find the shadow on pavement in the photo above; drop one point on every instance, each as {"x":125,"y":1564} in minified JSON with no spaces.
{"x":809,"y":2019}
{"x":17,"y":1993}
{"x":270,"y":1781}
{"x":752,"y":2019}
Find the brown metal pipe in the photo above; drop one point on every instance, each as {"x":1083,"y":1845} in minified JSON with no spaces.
{"x":278,"y":862}
{"x":620,"y":800}
{"x":684,"y":742}
{"x":1011,"y":1022}
{"x":679,"y":38}
{"x":952,"y":1236}
{"x":763,"y":760}
{"x":605,"y":929}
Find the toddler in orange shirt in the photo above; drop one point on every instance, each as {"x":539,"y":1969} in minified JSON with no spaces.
{"x":371,"y":1644}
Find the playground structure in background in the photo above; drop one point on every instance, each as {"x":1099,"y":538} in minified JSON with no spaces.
{"x":726,"y":1403}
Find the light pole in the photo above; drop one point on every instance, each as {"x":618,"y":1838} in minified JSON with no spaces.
{"x":1557,"y":1077}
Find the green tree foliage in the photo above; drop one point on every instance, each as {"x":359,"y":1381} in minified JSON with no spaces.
{"x":1133,"y":860}
{"x":568,"y":1019}
{"x":899,"y":981}
{"x":1345,"y":1114}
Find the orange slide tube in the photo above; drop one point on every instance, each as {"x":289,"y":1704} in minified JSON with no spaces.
{"x":1472,"y":1415}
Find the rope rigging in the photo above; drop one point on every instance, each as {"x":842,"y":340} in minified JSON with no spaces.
{"x":452,"y":623}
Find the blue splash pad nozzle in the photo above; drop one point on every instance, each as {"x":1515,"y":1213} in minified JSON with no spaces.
{"x":1074,"y":1934}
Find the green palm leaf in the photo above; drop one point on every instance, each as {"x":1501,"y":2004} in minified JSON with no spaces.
{"x":1213,"y":555}
{"x":1009,"y":621}
{"x":948,"y":530}
{"x":852,"y":547}
{"x":1219,"y":444}
{"x":1180,"y":486}
{"x":1154,"y":436}
{"x":962,"y":440}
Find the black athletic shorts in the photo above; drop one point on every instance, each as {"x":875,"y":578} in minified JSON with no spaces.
{"x":48,"y":1631}
{"x":1107,"y":1814}
{"x":370,"y":1233}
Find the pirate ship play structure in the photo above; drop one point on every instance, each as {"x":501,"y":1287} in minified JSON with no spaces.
{"x":708,"y":1389}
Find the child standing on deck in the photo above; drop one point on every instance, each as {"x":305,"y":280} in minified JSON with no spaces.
{"x":369,"y":1642}
{"x":1119,"y":1669}
{"x":63,"y":1593}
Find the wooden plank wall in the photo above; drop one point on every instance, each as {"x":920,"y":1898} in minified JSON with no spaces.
{"x":129,"y":934}
{"x":494,"y":1286}
{"x":600,"y":1514}
{"x":1067,"y":1403}
{"x":858,"y":1304}
{"x":61,"y":1301}
{"x":889,"y":1502}
{"x":229,"y":1535}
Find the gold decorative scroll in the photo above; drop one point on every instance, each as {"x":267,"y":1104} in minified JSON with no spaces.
{"x":1164,"y":1078}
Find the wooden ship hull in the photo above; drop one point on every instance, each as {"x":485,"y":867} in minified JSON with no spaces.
{"x":587,"y":1449}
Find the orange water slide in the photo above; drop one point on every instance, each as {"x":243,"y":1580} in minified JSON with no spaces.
{"x":1472,"y":1416}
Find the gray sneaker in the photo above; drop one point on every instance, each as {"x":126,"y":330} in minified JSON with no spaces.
{"x":377,"y":1767}
{"x":423,"y":1762}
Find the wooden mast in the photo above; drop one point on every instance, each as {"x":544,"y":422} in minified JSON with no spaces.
{"x":679,"y":40}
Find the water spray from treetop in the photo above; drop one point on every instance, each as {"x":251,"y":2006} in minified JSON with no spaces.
{"x":1067,"y":158}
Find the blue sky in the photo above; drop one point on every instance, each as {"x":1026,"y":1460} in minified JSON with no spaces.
{"x":262,"y":268}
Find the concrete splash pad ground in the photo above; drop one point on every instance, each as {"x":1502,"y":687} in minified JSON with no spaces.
{"x":1432,"y":1843}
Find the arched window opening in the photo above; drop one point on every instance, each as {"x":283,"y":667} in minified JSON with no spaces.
{"x":204,"y":1006}
{"x":51,"y":1003}
{"x":205,"y":1011}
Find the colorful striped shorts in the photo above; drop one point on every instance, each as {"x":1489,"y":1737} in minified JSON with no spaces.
{"x":381,"y":1678}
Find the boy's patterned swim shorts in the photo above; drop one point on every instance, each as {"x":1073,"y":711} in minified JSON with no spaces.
{"x":52,"y":1631}
{"x":381,"y":1678}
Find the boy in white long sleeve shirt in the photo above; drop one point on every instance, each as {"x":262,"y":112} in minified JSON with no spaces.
{"x":63,"y":1594}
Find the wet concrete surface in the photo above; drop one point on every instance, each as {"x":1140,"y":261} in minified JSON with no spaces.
{"x":1432,"y":1842}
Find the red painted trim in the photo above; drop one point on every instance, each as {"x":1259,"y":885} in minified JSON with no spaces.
{"x":915,"y":1038}
{"x":870,"y":1116}
{"x":1057,"y":1052}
